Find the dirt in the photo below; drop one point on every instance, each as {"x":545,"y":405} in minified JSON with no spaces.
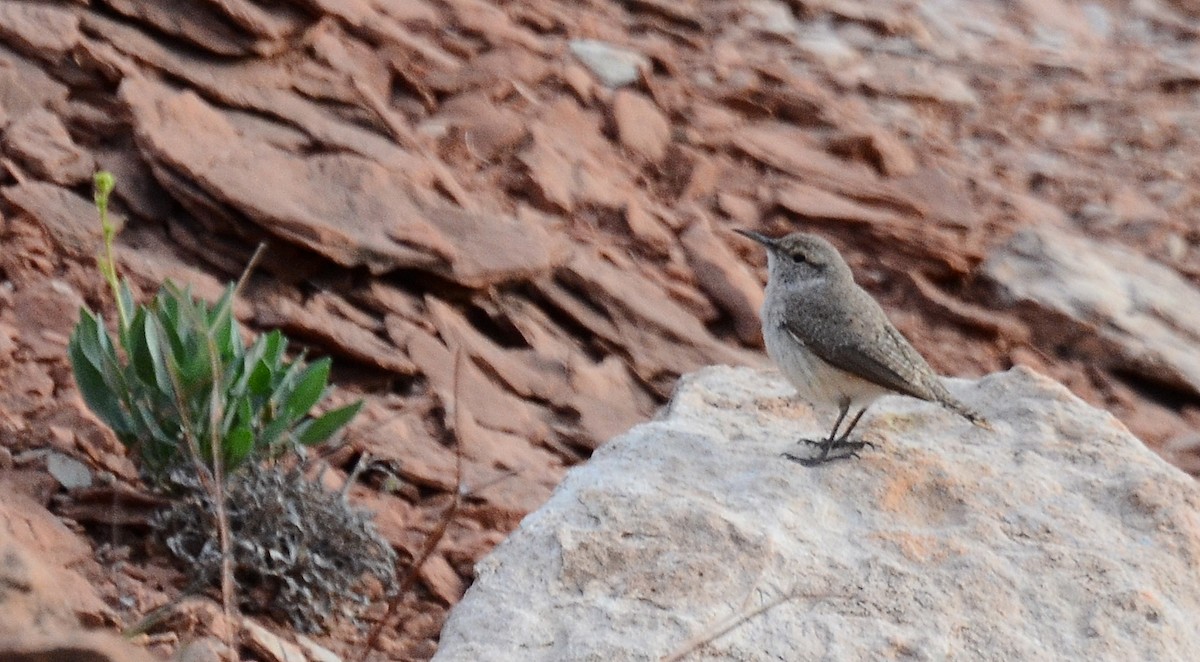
{"x":549,"y":189}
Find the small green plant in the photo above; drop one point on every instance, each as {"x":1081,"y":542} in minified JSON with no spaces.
{"x":185,"y":380}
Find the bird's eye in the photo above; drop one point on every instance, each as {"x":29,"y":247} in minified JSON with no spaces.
{"x":798,"y":258}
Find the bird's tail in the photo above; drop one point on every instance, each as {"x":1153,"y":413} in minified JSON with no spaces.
{"x":966,"y":412}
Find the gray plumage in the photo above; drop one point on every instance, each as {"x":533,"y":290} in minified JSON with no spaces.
{"x":833,"y":341}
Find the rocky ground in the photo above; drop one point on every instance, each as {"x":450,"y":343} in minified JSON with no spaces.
{"x":1053,"y":535}
{"x":549,"y":188}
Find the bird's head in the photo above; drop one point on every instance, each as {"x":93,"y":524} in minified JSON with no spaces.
{"x":800,"y":257}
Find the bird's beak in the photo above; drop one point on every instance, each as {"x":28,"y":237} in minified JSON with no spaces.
{"x":760,"y":238}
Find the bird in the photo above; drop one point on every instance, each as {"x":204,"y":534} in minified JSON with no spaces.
{"x":835,"y":344}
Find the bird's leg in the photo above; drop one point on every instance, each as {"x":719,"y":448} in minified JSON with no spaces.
{"x":841,"y":441}
{"x":835,"y":441}
{"x":832,"y":433}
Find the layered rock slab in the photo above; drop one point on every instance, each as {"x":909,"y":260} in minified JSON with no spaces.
{"x":1104,"y":302}
{"x":1056,"y":535}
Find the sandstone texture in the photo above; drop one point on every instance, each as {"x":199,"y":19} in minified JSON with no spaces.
{"x":45,"y":605}
{"x":1055,"y":536}
{"x":1117,"y":308}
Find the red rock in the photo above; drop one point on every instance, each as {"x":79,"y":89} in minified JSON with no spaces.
{"x":40,"y":142}
{"x":580,"y":82}
{"x":647,"y":229}
{"x":788,"y":151}
{"x":944,"y":198}
{"x":401,"y":440}
{"x":70,"y":220}
{"x":315,"y":651}
{"x":741,"y":210}
{"x":660,"y":335}
{"x":504,"y":470}
{"x":204,"y":649}
{"x":607,"y":400}
{"x":495,"y":407}
{"x":641,"y":126}
{"x":724,"y":277}
{"x":813,"y":202}
{"x":115,"y":505}
{"x":25,"y":522}
{"x":269,"y":645}
{"x":23,"y":86}
{"x":313,"y":320}
{"x":878,"y":148}
{"x":28,"y":389}
{"x":493,"y":22}
{"x":70,"y":647}
{"x":919,"y":80}
{"x":570,"y":163}
{"x":349,"y":209}
{"x":42,"y":31}
{"x":222,"y":29}
{"x":488,"y":131}
{"x":46,"y":313}
{"x":703,"y":178}
{"x":494,"y":72}
{"x":441,"y":579}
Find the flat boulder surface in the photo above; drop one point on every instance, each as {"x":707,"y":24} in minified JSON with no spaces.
{"x":1055,"y":535}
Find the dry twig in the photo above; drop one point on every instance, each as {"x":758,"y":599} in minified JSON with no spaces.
{"x":435,"y":536}
{"x":726,"y":625}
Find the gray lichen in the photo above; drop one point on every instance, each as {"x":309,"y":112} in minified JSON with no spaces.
{"x":299,"y":551}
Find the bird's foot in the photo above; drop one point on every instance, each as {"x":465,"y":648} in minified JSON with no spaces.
{"x":830,"y":450}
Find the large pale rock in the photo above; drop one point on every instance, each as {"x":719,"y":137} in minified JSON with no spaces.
{"x":1056,"y":535}
{"x":613,"y":65}
{"x":1103,"y":302}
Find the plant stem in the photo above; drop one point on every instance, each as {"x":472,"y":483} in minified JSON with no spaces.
{"x":104,"y":182}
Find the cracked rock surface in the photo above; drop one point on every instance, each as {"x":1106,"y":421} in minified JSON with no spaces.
{"x":1056,"y":535}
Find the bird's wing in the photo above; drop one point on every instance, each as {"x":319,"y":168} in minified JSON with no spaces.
{"x":855,"y":345}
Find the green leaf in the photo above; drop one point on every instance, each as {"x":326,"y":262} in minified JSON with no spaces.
{"x":238,"y":413}
{"x":274,"y":430}
{"x":238,"y":445}
{"x":319,"y":429}
{"x":149,"y":420}
{"x":126,"y":295}
{"x":195,"y":368}
{"x":310,"y":386}
{"x":243,"y":368}
{"x":224,"y":326}
{"x":158,"y":446}
{"x":286,"y":381}
{"x":96,"y":391}
{"x":275,"y":347}
{"x":142,"y":346}
{"x":259,"y":382}
{"x":87,"y":336}
{"x":155,"y":346}
{"x":167,"y":314}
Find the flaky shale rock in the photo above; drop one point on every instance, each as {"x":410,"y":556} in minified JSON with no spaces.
{"x":1055,"y":536}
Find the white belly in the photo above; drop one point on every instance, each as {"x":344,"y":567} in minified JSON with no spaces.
{"x":815,"y":380}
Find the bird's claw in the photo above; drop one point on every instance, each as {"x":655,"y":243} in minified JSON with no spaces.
{"x":840,"y":443}
{"x":851,"y":450}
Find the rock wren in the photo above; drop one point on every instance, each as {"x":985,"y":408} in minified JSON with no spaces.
{"x":833,"y":342}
